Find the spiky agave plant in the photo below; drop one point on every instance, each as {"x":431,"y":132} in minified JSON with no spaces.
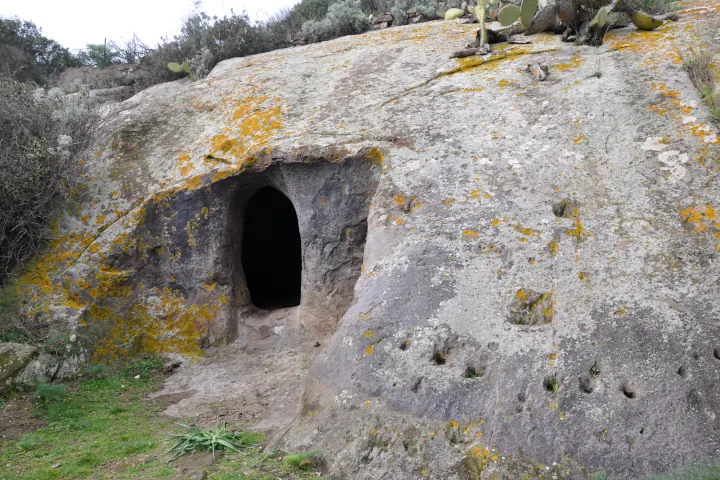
{"x":210,"y":440}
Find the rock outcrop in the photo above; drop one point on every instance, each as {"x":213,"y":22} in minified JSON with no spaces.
{"x":13,"y":357}
{"x":518,"y":277}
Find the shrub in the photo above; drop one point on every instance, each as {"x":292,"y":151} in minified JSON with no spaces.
{"x":211,"y":440}
{"x":11,"y":326}
{"x":40,"y":134}
{"x":204,"y":41}
{"x":429,"y":8}
{"x":49,"y":393}
{"x":343,"y":18}
{"x":312,"y":9}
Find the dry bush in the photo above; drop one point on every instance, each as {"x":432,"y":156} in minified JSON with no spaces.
{"x":698,"y":63}
{"x":40,"y":136}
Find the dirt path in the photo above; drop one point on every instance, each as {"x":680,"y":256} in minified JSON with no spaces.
{"x":257,"y":381}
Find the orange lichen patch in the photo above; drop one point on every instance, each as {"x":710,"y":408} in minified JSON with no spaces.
{"x":368,"y":334}
{"x":463,"y":90}
{"x":525,"y":231}
{"x":400,"y":199}
{"x":701,"y":217}
{"x":578,"y":231}
{"x":469,"y":234}
{"x":449,"y":201}
{"x":376,"y":156}
{"x":502,"y":84}
{"x":369,"y":349}
{"x":575,"y":61}
{"x":166,"y":325}
{"x":469,"y":63}
{"x":578,"y":139}
{"x":496,"y":222}
{"x":184,"y":164}
{"x":553,"y":247}
{"x":209,"y":286}
{"x":251,"y":122}
{"x":479,"y":193}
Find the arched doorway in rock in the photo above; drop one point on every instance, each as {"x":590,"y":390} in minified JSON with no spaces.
{"x":271,"y":250}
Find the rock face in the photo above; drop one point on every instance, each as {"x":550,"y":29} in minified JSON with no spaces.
{"x":13,"y":357}
{"x":110,"y":77}
{"x":519,"y":277}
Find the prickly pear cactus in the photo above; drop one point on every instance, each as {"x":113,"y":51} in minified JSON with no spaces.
{"x":525,"y":13}
{"x":509,"y":15}
{"x":177,"y":68}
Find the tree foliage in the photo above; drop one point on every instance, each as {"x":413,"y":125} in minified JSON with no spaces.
{"x":26,"y":55}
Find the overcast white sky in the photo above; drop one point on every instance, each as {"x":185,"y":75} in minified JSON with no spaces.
{"x":75,"y":23}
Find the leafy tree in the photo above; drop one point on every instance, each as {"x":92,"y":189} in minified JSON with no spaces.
{"x":100,"y":55}
{"x":312,"y":9}
{"x":26,"y":55}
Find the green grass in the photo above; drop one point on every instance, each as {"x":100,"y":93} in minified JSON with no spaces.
{"x":303,"y":461}
{"x":102,"y":428}
{"x":692,"y":471}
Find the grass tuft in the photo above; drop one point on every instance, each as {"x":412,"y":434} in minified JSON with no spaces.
{"x":97,"y":370}
{"x":144,"y":367}
{"x":302,"y":461}
{"x":698,"y":63}
{"x":47,"y":392}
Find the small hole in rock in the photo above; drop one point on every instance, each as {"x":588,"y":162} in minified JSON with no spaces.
{"x":696,"y":356}
{"x":586,"y":384}
{"x":629,"y":391}
{"x":439,"y":357}
{"x":716,"y":352}
{"x":642,"y":431}
{"x":521,"y":397}
{"x":416,"y":385}
{"x":551,"y":384}
{"x":682,"y":371}
{"x":394,"y":384}
{"x":474,"y":372}
{"x":565,"y":209}
{"x":404,"y":345}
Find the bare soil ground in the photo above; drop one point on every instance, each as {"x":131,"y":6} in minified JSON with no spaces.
{"x":256,"y":381}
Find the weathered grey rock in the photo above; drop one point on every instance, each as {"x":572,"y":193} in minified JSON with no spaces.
{"x":299,"y":39}
{"x":425,"y":192}
{"x":93,"y":78}
{"x":414,"y":16}
{"x":13,"y":357}
{"x":384,"y":20}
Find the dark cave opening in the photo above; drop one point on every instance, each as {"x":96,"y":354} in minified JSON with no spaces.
{"x":271,"y":250}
